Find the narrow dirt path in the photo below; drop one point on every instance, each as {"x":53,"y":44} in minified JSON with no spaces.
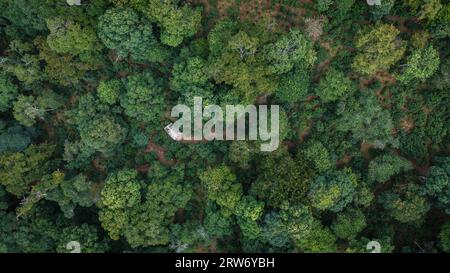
{"x":422,"y":170}
{"x":160,"y":152}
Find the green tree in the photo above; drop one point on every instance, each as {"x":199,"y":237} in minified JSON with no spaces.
{"x":121,"y":190}
{"x":307,"y":233}
{"x":429,"y":9}
{"x":319,"y":240}
{"x":384,"y":167}
{"x":109,"y":91}
{"x":333,"y":86}
{"x":364,"y":196}
{"x":123,"y":30}
{"x":333,"y":190}
{"x":378,"y":11}
{"x":14,"y":139}
{"x":275,"y":232}
{"x":282,"y":178}
{"x":294,"y":85}
{"x":69,"y":37}
{"x":192,"y":72}
{"x":405,"y":205}
{"x":77,"y":154}
{"x":86,"y":235}
{"x":250,"y":229}
{"x":168,"y":14}
{"x":323,"y":5}
{"x":141,"y":218}
{"x":238,"y":59}
{"x":103,"y":133}
{"x":344,"y":6}
{"x":46,"y":183}
{"x":56,"y":68}
{"x":22,"y":63}
{"x":421,"y":65}
{"x":28,"y":108}
{"x":240,"y":153}
{"x":23,"y":16}
{"x":349,"y":223}
{"x":18,"y":171}
{"x":143,"y":100}
{"x":437,"y":183}
{"x":222,"y":188}
{"x":319,"y":156}
{"x":216,"y":223}
{"x":71,"y":193}
{"x":444,"y":237}
{"x":8,"y":92}
{"x":237,"y":67}
{"x":288,"y":50}
{"x":163,"y":198}
{"x":379,"y":49}
{"x":120,"y":193}
{"x":248,"y":207}
{"x":367,"y":121}
{"x":34,"y":234}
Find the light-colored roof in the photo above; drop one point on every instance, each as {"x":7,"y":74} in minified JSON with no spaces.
{"x":374,"y":2}
{"x":172,"y":133}
{"x":74,"y":2}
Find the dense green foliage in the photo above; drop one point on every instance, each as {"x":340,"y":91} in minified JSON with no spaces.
{"x":86,"y":91}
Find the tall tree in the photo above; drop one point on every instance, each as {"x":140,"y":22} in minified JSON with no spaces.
{"x":367,"y":120}
{"x":103,"y":133}
{"x":168,"y":14}
{"x":20,"y":170}
{"x":385,"y":166}
{"x":379,"y":49}
{"x":405,"y":204}
{"x":283,"y":178}
{"x":8,"y":92}
{"x":333,"y":191}
{"x":128,"y":215}
{"x":291,"y":49}
{"x":69,"y":37}
{"x":333,"y":86}
{"x":421,"y":65}
{"x":123,"y":30}
{"x":437,"y":183}
{"x":221,"y":187}
{"x":349,"y":223}
{"x":144,"y":99}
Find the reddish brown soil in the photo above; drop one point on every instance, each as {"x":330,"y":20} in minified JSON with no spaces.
{"x":160,"y":152}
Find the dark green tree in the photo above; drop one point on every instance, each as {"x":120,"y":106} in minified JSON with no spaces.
{"x":333,"y":86}
{"x":384,"y":167}
{"x":333,"y":190}
{"x":123,"y":30}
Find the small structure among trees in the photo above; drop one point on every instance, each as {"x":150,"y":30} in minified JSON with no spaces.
{"x":374,"y":2}
{"x":74,"y":2}
{"x":177,"y":136}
